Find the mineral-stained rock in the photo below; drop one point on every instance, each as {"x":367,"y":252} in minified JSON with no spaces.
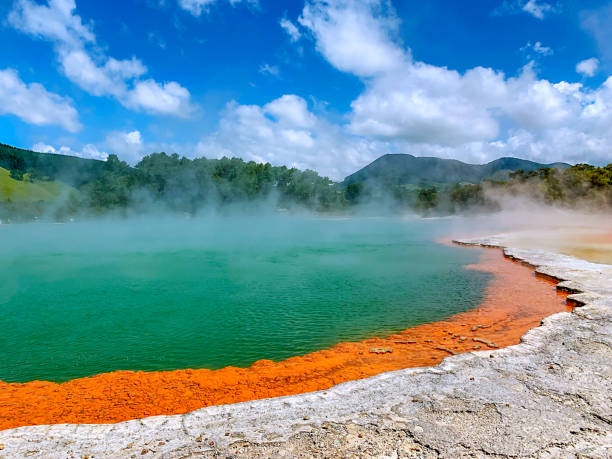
{"x":450,"y":351}
{"x":514,"y":407}
{"x":484,"y":341}
{"x":381,"y":350}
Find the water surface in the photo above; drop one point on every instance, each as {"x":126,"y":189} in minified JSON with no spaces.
{"x":159,"y":294}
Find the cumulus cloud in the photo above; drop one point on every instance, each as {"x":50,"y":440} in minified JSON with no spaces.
{"x":34,"y":104}
{"x":290,"y":29}
{"x":197,"y":7}
{"x":109,"y":79}
{"x":166,"y":98}
{"x":428,"y":104}
{"x":91,"y":69}
{"x":414,"y":107}
{"x":55,"y":21}
{"x":129,"y":146}
{"x":588,"y":67}
{"x":88,"y":151}
{"x":478,"y":114}
{"x":291,"y":110}
{"x":355,"y":36}
{"x":285,"y":132}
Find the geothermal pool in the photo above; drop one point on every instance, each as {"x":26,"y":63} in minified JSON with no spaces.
{"x":84,"y":298}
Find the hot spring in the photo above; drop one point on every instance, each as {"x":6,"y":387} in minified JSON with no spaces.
{"x":84,"y":298}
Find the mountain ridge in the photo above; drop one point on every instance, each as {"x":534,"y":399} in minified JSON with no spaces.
{"x":403,"y":168}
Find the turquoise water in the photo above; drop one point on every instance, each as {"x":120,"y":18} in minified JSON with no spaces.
{"x":158,"y":294}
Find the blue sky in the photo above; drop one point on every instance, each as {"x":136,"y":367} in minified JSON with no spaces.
{"x":322,"y":84}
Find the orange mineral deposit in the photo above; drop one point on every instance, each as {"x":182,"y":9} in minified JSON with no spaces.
{"x":515,"y":301}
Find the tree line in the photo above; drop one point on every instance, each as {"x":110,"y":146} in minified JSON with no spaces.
{"x":177,"y":184}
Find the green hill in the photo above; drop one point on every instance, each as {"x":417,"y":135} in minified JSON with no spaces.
{"x":68,"y":169}
{"x":404,"y":169}
{"x":23,"y":191}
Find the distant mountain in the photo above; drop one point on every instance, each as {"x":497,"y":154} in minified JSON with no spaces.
{"x":403,"y":169}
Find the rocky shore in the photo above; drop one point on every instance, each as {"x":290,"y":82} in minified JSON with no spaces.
{"x":549,"y":396}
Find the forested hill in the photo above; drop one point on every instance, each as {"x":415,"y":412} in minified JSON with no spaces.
{"x":47,"y":166}
{"x":404,"y":169}
{"x":159,"y":182}
{"x":40,"y":185}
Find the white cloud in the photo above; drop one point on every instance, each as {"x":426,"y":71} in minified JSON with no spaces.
{"x":290,"y":110}
{"x":34,"y":104}
{"x":541,"y":49}
{"x":536,"y":9}
{"x":291,"y":29}
{"x":43,"y":148}
{"x":355,"y":36}
{"x":166,"y":98}
{"x":285,"y":132}
{"x":91,"y":69}
{"x":88,"y":151}
{"x":133,"y":138}
{"x":535,"y":50}
{"x":538,"y":48}
{"x":479,"y":115}
{"x":588,"y":67}
{"x":197,"y":7}
{"x":267,"y":69}
{"x":109,"y":79}
{"x":428,"y":104}
{"x":129,"y":146}
{"x":55,"y":21}
{"x":413,"y":107}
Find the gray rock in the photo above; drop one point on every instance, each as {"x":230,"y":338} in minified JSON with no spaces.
{"x":549,"y":396}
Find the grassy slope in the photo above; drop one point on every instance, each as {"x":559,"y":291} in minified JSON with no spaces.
{"x":25,"y":191}
{"x":68,"y":169}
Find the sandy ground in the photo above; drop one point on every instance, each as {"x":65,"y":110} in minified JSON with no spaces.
{"x":587,"y":236}
{"x":585,"y":242}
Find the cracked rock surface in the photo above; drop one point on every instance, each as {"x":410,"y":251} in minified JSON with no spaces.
{"x":549,"y":396}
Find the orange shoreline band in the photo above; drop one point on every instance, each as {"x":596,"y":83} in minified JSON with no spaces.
{"x":515,"y":301}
